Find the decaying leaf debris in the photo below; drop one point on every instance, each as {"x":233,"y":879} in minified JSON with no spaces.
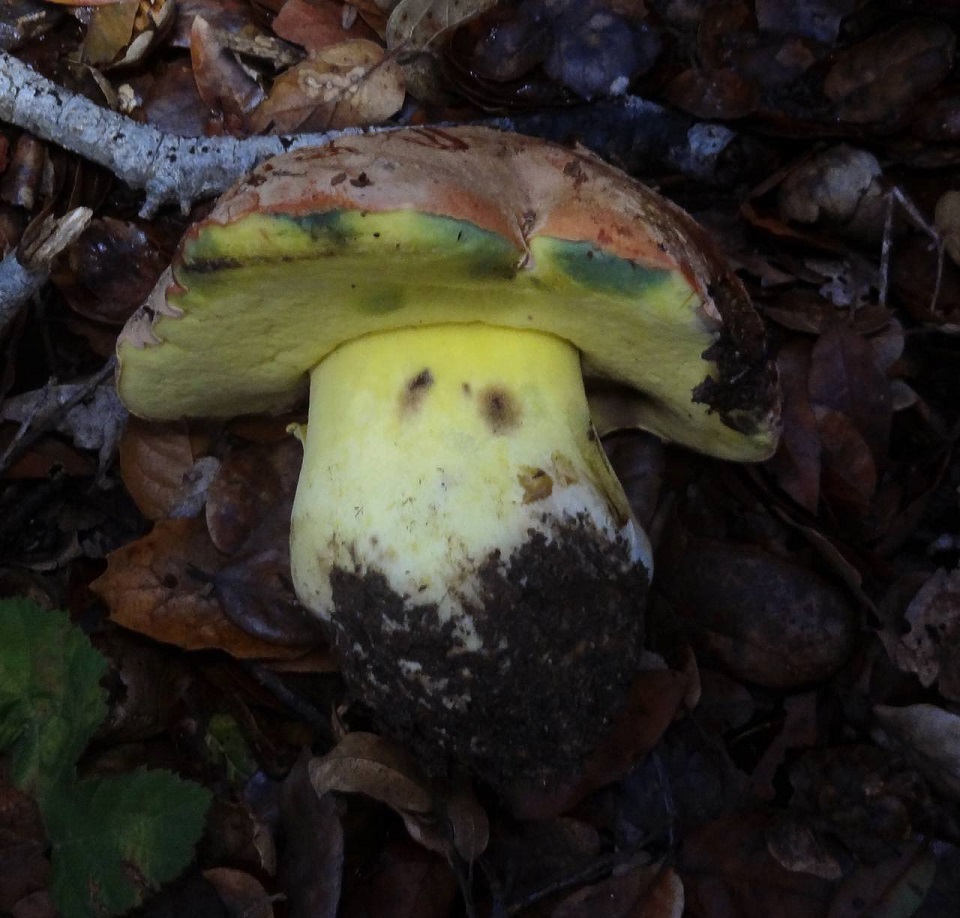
{"x":790,"y":743}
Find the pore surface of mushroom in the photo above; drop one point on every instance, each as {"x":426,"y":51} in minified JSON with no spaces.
{"x":442,"y":294}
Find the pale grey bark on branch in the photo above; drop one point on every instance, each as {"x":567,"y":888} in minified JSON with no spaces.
{"x":26,"y":269}
{"x":168,"y":168}
{"x":638,"y":135}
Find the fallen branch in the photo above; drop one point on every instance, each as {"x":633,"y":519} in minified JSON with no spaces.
{"x":167,"y":167}
{"x":638,"y":135}
{"x":26,"y":269}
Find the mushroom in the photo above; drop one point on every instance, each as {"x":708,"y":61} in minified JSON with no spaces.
{"x":444,"y":294}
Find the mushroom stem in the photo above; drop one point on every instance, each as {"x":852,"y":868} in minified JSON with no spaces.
{"x":442,"y":465}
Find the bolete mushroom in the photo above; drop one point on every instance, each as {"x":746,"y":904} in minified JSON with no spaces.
{"x":457,"y":525}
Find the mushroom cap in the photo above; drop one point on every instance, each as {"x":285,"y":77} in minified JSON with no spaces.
{"x":427,"y":226}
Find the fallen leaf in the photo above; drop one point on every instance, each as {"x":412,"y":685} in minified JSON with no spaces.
{"x":405,"y":881}
{"x":727,"y":870}
{"x":24,"y":867}
{"x":108,"y":272}
{"x":253,"y":482}
{"x":156,"y":459}
{"x":878,"y":79}
{"x":895,"y":888}
{"x":351,"y":84}
{"x":931,"y":646}
{"x":222,"y":82}
{"x":817,"y":19}
{"x":242,"y":894}
{"x":364,"y":763}
{"x":442,"y":817}
{"x":650,"y":891}
{"x":160,"y":586}
{"x":761,"y":618}
{"x":311,"y":859}
{"x":930,"y":736}
{"x":317,"y":24}
{"x":416,"y":29}
{"x":796,"y":464}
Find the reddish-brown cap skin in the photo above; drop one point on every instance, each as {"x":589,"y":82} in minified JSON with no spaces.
{"x":521,"y":188}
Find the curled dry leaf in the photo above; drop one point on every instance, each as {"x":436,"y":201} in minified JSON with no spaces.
{"x":317,"y":24}
{"x":651,"y":890}
{"x":160,"y":586}
{"x":405,"y":881}
{"x":352,"y":84}
{"x":224,"y":85}
{"x":123,"y":32}
{"x":761,"y":618}
{"x":840,"y":187}
{"x":930,"y":736}
{"x":931,"y":646}
{"x":444,"y":818}
{"x":24,"y":868}
{"x":727,"y":869}
{"x":155,"y":459}
{"x":241,"y":893}
{"x":416,"y":30}
{"x":879,"y":79}
{"x":311,"y":864}
{"x":946,"y":218}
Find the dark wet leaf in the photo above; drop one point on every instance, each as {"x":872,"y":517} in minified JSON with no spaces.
{"x":311,"y":860}
{"x":760,"y":617}
{"x":877,"y":80}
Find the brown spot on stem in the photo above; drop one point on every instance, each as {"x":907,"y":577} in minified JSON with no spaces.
{"x":499,"y":409}
{"x":536,"y":484}
{"x":415,"y":391}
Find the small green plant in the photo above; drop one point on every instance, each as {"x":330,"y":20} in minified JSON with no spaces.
{"x":113,"y":839}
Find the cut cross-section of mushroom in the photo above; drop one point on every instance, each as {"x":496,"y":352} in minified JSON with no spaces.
{"x":442,"y":294}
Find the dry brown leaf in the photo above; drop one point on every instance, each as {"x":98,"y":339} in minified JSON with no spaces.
{"x":123,"y":32}
{"x":311,"y":867}
{"x":160,"y":586}
{"x":23,"y":866}
{"x":241,"y":893}
{"x":796,"y":465}
{"x":877,"y":80}
{"x":222,"y":82}
{"x":155,"y":459}
{"x":895,"y":887}
{"x":727,"y":870}
{"x":649,"y":891}
{"x":109,"y":31}
{"x":416,"y":29}
{"x":930,"y":736}
{"x":364,"y":763}
{"x":444,"y":818}
{"x":404,"y":882}
{"x":931,"y":647}
{"x":763,"y":619}
{"x":317,"y":24}
{"x":351,"y":84}
{"x":253,"y":484}
{"x":947,"y":220}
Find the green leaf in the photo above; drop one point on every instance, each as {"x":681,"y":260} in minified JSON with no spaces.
{"x":116,"y":839}
{"x":51,"y":702}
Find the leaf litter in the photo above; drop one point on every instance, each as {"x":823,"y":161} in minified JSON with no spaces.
{"x":792,"y":747}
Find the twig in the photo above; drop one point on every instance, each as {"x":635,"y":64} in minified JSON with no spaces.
{"x":167,"y":167}
{"x":47,"y":417}
{"x":24,"y":271}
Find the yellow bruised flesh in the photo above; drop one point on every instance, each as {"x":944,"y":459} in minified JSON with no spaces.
{"x":430,"y":452}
